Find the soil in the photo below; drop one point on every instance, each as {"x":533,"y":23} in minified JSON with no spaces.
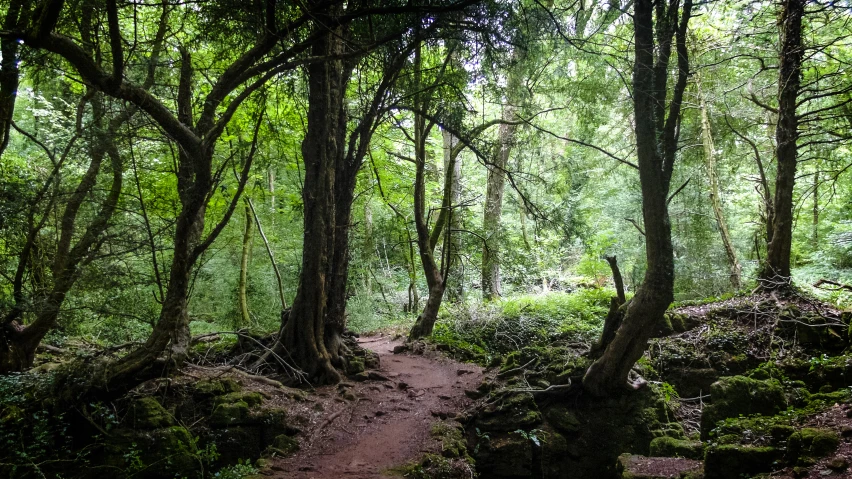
{"x":389,"y":423}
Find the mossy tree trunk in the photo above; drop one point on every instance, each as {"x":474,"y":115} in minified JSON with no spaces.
{"x":657,"y":118}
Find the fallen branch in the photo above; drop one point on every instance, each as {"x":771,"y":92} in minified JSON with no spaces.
{"x":838,"y":286}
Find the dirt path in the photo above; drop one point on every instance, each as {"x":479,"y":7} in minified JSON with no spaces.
{"x":388,"y":425}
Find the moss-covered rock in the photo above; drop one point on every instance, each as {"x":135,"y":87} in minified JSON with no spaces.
{"x":733,"y":460}
{"x":563,"y":419}
{"x":283,"y":446}
{"x":810,"y":443}
{"x":215,"y":387}
{"x":154,"y":454}
{"x":354,"y":366}
{"x":148,"y":413}
{"x":229,"y":414}
{"x":516,"y":411}
{"x":671,"y":447}
{"x":508,"y":456}
{"x":250,"y":398}
{"x":741,"y":396}
{"x":452,"y":440}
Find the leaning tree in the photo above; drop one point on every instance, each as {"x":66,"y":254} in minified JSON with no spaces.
{"x":658,"y":29}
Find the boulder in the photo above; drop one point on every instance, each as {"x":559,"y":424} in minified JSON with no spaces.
{"x":808,"y":444}
{"x":148,"y":413}
{"x":154,"y":454}
{"x":671,"y":447}
{"x":741,"y":396}
{"x":516,"y":411}
{"x":734,"y":460}
{"x":508,"y":456}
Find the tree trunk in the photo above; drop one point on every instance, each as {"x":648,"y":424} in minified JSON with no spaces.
{"x":18,"y":343}
{"x":344,"y":195}
{"x":455,"y":288}
{"x":656,"y":146}
{"x":303,"y":335}
{"x":493,"y":209}
{"x":775,"y":273}
{"x":244,"y":260}
{"x":9,"y":73}
{"x":715,"y":200}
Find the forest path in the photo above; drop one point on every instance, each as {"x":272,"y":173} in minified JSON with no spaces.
{"x":389,"y":424}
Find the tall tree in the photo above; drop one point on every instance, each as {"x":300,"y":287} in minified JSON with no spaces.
{"x":657,"y":109}
{"x":775,"y":272}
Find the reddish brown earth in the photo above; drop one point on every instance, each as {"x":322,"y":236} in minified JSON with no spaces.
{"x":387,"y":425}
{"x":834,"y":465}
{"x":658,"y":467}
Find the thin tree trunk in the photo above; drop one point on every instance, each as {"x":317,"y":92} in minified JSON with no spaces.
{"x":18,"y":343}
{"x":715,"y":200}
{"x":776,"y":269}
{"x":815,"y":233}
{"x":455,"y":288}
{"x":270,"y":254}
{"x":244,"y":260}
{"x":493,"y":210}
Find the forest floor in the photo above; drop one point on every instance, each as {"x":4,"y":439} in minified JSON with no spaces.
{"x":388,"y":425}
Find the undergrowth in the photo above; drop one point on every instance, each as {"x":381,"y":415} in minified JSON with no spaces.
{"x":482,"y":331}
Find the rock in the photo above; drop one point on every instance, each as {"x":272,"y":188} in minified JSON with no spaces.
{"x":282,"y":446}
{"x":516,"y":411}
{"x":349,"y":395}
{"x":632,"y":466}
{"x":376,"y":376}
{"x":153,"y":454}
{"x":148,"y":413}
{"x":562,"y":418}
{"x":846,"y":431}
{"x":811,"y":443}
{"x":692,"y":382}
{"x":229,"y":414}
{"x":250,"y":398}
{"x":738,"y":395}
{"x":838,"y":463}
{"x":553,"y":450}
{"x":506,"y":456}
{"x":235,"y":443}
{"x":401,"y":348}
{"x":355,"y":366}
{"x":216,"y":387}
{"x":733,"y":460}
{"x":671,"y":447}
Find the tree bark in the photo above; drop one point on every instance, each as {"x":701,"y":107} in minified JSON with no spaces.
{"x":9,"y":73}
{"x":455,"y":288}
{"x":775,"y":273}
{"x":493,"y":209}
{"x":715,"y":199}
{"x":303,"y":335}
{"x":657,"y":124}
{"x":244,"y":260}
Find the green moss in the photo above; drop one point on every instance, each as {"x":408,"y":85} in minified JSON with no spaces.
{"x":671,"y":447}
{"x":228,"y":414}
{"x":216,"y":387}
{"x":148,"y":413}
{"x":516,"y":411}
{"x":741,"y":396}
{"x":811,"y":443}
{"x":563,"y":419}
{"x":282,"y":446}
{"x":452,"y":440}
{"x":250,"y":398}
